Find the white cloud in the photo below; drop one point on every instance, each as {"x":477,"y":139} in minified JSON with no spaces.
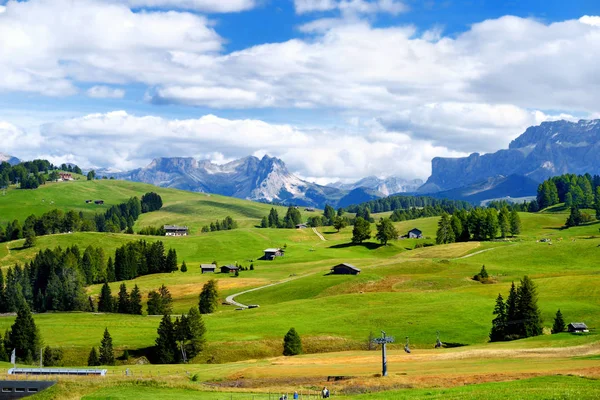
{"x":393,"y":7}
{"x":216,"y":6}
{"x":105,"y":92}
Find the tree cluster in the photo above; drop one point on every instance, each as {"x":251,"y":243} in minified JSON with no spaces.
{"x":31,"y":174}
{"x":574,"y":190}
{"x":152,"y":231}
{"x":478,"y":224}
{"x":124,"y":303}
{"x":151,"y":202}
{"x":225,"y":225}
{"x":392,"y":203}
{"x":577,"y":217}
{"x":181,"y":340}
{"x":140,"y":258}
{"x":518,"y":317}
{"x":24,"y":336}
{"x":160,"y":301}
{"x":292,"y":218}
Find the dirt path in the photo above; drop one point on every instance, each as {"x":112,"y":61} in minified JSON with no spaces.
{"x":230,"y":299}
{"x":482,"y":251}
{"x":318,"y":234}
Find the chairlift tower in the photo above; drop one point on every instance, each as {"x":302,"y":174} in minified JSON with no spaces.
{"x":383,"y":340}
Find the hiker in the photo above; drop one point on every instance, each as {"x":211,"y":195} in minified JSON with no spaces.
{"x":295,"y":395}
{"x":325,"y":393}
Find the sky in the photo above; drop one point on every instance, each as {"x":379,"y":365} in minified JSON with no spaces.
{"x":338,"y":89}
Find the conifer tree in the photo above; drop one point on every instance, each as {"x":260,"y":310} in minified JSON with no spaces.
{"x":498,"y":332}
{"x":504,"y":222}
{"x":511,"y":311}
{"x":574,"y":218}
{"x":123,"y":305}
{"x":515,"y":223}
{"x":171,"y":263}
{"x":445,"y":233}
{"x":166,"y":346}
{"x":3,"y":352}
{"x":264,"y":222}
{"x":110,"y":270}
{"x":3,"y":300}
{"x":183,"y":267}
{"x":29,"y":239}
{"x":559,"y":323}
{"x":361,"y":231}
{"x":527,"y":307}
{"x":135,"y":301}
{"x":24,"y":335}
{"x":105,"y":302}
{"x":209,"y":297}
{"x":292,"y":345}
{"x":597,"y":203}
{"x":93,"y":359}
{"x":196,"y":331}
{"x":107,"y":355}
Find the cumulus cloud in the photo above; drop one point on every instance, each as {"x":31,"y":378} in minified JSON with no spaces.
{"x":105,"y":92}
{"x":216,"y":6}
{"x":130,"y":141}
{"x":393,"y":7}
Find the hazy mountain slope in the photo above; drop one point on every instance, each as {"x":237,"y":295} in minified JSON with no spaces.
{"x":386,"y":186}
{"x":9,"y":159}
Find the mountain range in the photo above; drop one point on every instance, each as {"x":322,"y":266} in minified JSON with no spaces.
{"x":9,"y":159}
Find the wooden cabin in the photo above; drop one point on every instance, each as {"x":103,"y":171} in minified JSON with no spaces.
{"x":345,"y":269}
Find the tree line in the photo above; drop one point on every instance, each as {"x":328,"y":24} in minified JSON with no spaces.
{"x":479,"y":224}
{"x":579,"y":191}
{"x":32,"y":174}
{"x":225,"y":225}
{"x":117,"y":218}
{"x":399,"y":202}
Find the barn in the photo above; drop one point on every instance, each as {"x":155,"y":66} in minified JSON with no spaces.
{"x":270,"y":254}
{"x":208,"y":268}
{"x":345,"y":269}
{"x":577,"y":327}
{"x":228,"y":269}
{"x":415,"y":234}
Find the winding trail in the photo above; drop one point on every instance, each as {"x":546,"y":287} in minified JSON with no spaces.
{"x":482,"y":251}
{"x":318,"y":234}
{"x":230,"y":299}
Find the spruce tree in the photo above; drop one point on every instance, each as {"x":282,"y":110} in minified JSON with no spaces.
{"x":515,"y":223}
{"x":559,"y":323}
{"x":498,"y":332}
{"x":504,"y":222}
{"x":3,"y":300}
{"x":110,"y":270}
{"x":93,"y":359}
{"x":166,"y":346}
{"x":3,"y":352}
{"x":574,"y":218}
{"x":171,"y":263}
{"x":105,"y":302}
{"x":24,"y":335}
{"x":527,"y":307}
{"x":209,"y":297}
{"x":511,"y":312}
{"x":107,"y":355}
{"x":123,"y":305}
{"x":135,"y":301}
{"x":197,"y":332}
{"x":292,"y":345}
{"x":183,"y":267}
{"x":445,"y":233}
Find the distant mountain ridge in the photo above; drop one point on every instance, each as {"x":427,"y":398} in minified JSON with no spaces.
{"x":550,"y":149}
{"x":9,"y":159}
{"x":385,"y":186}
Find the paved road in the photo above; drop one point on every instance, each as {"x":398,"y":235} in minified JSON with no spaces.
{"x":318,"y":234}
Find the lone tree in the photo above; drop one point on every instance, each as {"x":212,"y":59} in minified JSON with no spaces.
{"x":340,"y":223}
{"x":209,"y":297}
{"x":107,"y":356}
{"x":292,"y":345}
{"x":361,"y":231}
{"x":24,"y":335}
{"x":386,"y":231}
{"x":445,"y":233}
{"x":559,"y":323}
{"x":183,"y":267}
{"x":93,"y":360}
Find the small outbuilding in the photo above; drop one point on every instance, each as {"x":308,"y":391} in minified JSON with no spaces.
{"x":309,"y":209}
{"x":88,"y":201}
{"x":99,"y":202}
{"x":301,"y":226}
{"x":577,"y":327}
{"x":228,"y":269}
{"x":345,"y":269}
{"x":270,"y":254}
{"x":174,"y":230}
{"x":208,"y":268}
{"x":415,"y":234}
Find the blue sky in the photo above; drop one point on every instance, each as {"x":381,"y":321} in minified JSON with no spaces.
{"x":339,"y":89}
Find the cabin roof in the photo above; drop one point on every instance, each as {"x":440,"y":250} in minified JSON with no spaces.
{"x":347,"y":266}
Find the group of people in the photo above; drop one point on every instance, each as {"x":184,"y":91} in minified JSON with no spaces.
{"x":324,"y":394}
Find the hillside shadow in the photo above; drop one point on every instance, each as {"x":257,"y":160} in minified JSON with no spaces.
{"x":367,"y":245}
{"x":330,"y":233}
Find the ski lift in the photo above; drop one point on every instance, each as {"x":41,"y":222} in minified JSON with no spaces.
{"x":438,"y":342}
{"x":406,"y":348}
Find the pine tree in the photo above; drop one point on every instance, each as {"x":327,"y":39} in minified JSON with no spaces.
{"x":105,"y":302}
{"x":3,"y":352}
{"x":528,"y":311}
{"x":559,"y":323}
{"x":504,"y":222}
{"x":93,"y":359}
{"x":135,"y":301}
{"x":361,"y":231}
{"x":515,"y":223}
{"x":183,"y":267}
{"x":498,"y":332}
{"x":444,"y":234}
{"x":209,"y":297}
{"x":29,"y":239}
{"x":107,"y":355}
{"x":24,"y":335}
{"x":511,"y":311}
{"x":171,"y":263}
{"x":574,"y":218}
{"x":264,"y":222}
{"x":385,"y":231}
{"x":3,"y":299}
{"x":123,"y":306}
{"x":292,"y":345}
{"x":110,"y":270}
{"x":197,"y":332}
{"x":166,"y":346}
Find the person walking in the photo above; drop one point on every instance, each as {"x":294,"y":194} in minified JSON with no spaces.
{"x":325,"y":393}
{"x":295,"y":395}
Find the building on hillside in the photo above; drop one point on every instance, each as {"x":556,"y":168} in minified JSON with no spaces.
{"x":88,"y":201}
{"x":228,"y":269}
{"x":174,"y":230}
{"x":208,"y":268}
{"x":301,"y":226}
{"x":415,"y":234}
{"x":309,"y":209}
{"x":65,"y":176}
{"x":577,"y":327}
{"x":270,"y":254}
{"x":99,"y":202}
{"x":345,"y":269}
